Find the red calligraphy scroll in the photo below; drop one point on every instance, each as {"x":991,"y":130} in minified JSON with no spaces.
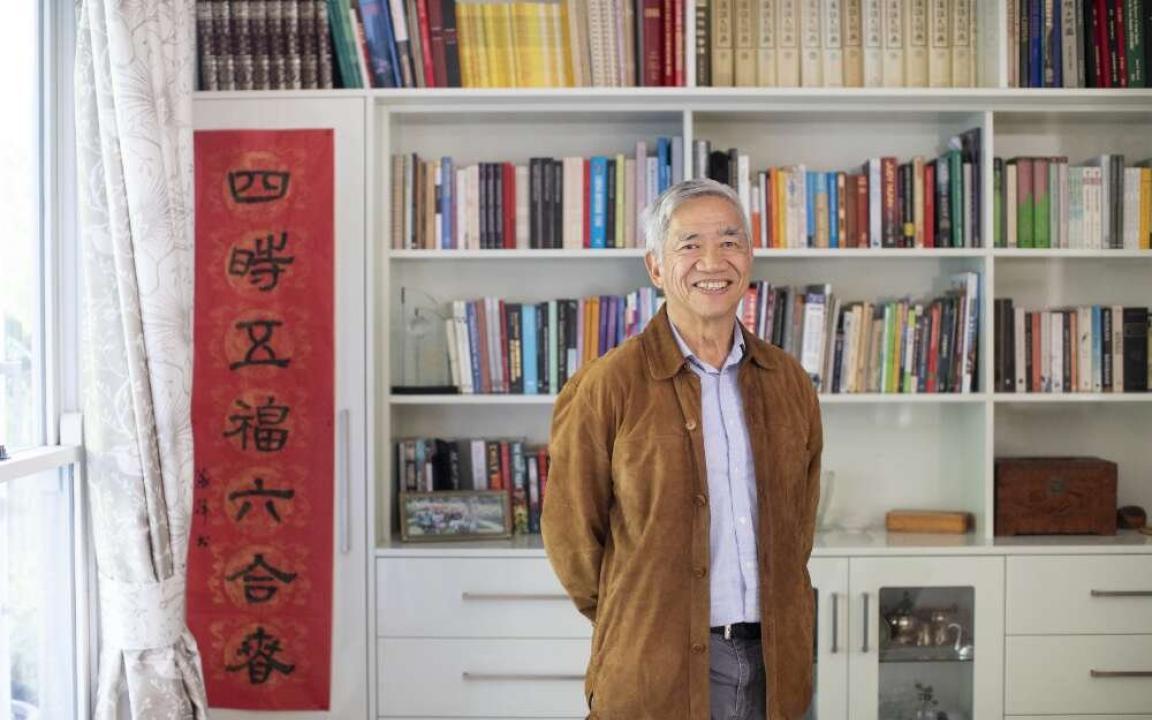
{"x":260,"y":550}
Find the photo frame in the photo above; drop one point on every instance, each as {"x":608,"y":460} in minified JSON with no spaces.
{"x":455,"y":515}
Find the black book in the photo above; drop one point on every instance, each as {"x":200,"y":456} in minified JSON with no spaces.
{"x":1029,"y":386}
{"x":1106,"y":347}
{"x":438,"y":458}
{"x":1135,"y":349}
{"x":547,"y":203}
{"x":513,"y":325}
{"x":610,"y":240}
{"x":535,"y":206}
{"x":1010,"y":347}
{"x":498,"y":212}
{"x":718,"y":166}
{"x":557,"y":203}
{"x":451,"y":43}
{"x":1068,"y":345}
{"x":561,"y":342}
{"x":463,"y":450}
{"x":488,"y":206}
{"x":541,"y":348}
{"x":998,"y":335}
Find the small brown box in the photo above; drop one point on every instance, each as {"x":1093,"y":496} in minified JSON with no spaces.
{"x":1055,"y":496}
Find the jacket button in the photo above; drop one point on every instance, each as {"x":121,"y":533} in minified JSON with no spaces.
{"x":701,"y":572}
{"x":701,"y":500}
{"x":697,"y":647}
{"x":691,"y":425}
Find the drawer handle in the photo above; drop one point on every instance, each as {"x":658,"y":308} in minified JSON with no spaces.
{"x":1121,"y":673}
{"x":510,"y":596}
{"x":535,"y":677}
{"x":1122,"y":593}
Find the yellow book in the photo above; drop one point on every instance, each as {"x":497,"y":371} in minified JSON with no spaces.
{"x":781,"y":176}
{"x":464,"y":44}
{"x":527,"y":31}
{"x":506,"y":42}
{"x":480,"y":42}
{"x":493,"y":54}
{"x":568,"y":37}
{"x":560,"y":72}
{"x":1145,"y":207}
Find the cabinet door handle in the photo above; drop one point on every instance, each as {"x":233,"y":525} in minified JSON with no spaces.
{"x":866,"y":623}
{"x":1121,"y":673}
{"x":1122,"y":593}
{"x":344,"y":506}
{"x":485,"y":597}
{"x":835,"y":623}
{"x":532,"y":677}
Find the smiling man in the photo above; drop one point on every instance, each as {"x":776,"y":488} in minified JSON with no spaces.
{"x":683,"y":488}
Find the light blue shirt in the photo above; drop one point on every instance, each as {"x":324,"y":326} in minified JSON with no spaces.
{"x":734,"y":581}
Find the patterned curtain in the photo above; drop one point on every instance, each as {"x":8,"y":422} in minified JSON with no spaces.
{"x":134,"y":71}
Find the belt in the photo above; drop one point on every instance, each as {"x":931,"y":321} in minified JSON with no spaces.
{"x":743,"y":631}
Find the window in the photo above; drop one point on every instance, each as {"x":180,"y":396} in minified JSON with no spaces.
{"x":21,"y":246}
{"x":43,"y":673}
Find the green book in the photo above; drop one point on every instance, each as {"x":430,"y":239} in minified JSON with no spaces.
{"x":956,"y":197}
{"x":1040,"y":200}
{"x":1025,"y":208}
{"x":997,"y":202}
{"x":1134,"y":18}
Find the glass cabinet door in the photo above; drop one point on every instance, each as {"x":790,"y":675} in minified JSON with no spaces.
{"x":830,"y":670}
{"x":928,"y":639}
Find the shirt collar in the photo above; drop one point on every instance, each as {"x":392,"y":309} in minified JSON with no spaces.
{"x":735,"y":355}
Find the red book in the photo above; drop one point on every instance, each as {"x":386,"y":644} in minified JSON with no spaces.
{"x":652,"y":29}
{"x":482,"y":337}
{"x":749,"y":316}
{"x":863,"y":217}
{"x":588,"y":205}
{"x":1121,"y":46}
{"x":1100,"y":40}
{"x":933,"y":348}
{"x":678,"y":43}
{"x":1034,"y":318}
{"x":848,"y":239}
{"x":436,"y":31}
{"x":543,"y":463}
{"x":504,"y":359}
{"x":929,"y":205}
{"x":426,"y":43}
{"x":509,"y":206}
{"x":667,"y":52}
{"x":505,"y":465}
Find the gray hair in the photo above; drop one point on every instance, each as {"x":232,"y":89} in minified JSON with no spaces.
{"x":658,"y":216}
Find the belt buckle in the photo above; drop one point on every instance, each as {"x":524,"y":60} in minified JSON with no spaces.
{"x":727,"y":632}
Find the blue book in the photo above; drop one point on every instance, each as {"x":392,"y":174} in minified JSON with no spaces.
{"x":378,"y":35}
{"x":833,"y":212}
{"x":810,"y":179}
{"x":663,"y":164}
{"x":1097,"y":349}
{"x":1057,"y":51}
{"x":528,"y":349}
{"x":598,"y":167}
{"x":1035,"y":44}
{"x":447,"y":203}
{"x":474,"y":347}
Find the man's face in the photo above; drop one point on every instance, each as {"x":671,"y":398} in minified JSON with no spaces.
{"x":707,"y":260}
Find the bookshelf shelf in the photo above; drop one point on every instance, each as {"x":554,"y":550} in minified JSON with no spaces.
{"x":1035,"y":253}
{"x":825,"y":398}
{"x":632,"y":253}
{"x":1050,"y":398}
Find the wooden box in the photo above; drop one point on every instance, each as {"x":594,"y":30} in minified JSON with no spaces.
{"x":1055,"y":496}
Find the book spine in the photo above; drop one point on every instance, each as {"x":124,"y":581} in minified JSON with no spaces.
{"x":787,"y":43}
{"x":811,"y":40}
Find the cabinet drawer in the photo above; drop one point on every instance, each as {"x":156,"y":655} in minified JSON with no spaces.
{"x":477,"y":597}
{"x":1049,"y":675}
{"x":1055,"y":595}
{"x":481,"y":678}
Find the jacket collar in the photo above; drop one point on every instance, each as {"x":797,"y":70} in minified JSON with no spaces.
{"x":665,"y":358}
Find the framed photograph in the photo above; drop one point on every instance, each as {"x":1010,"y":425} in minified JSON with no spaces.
{"x":455,"y":515}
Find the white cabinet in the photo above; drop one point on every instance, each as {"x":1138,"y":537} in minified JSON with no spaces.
{"x":1079,"y":635}
{"x":830,"y":583}
{"x":349,"y":694}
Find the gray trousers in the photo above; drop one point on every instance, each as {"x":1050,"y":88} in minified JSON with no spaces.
{"x":737,"y":679}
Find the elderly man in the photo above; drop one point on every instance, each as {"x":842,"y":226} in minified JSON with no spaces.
{"x":683,"y":488}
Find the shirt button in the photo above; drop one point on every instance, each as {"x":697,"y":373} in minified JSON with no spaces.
{"x":701,"y":500}
{"x":743,"y":521}
{"x":691,"y":425}
{"x":697,"y":647}
{"x":700,"y":572}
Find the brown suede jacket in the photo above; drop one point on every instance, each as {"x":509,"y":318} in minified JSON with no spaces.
{"x":626,"y":523}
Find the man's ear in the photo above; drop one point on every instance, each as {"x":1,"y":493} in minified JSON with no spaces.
{"x":653,"y":267}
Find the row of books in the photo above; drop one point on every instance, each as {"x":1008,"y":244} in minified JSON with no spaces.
{"x":274,"y":44}
{"x":1079,"y":43}
{"x":499,"y":346}
{"x":266,"y":44}
{"x":438,"y":464}
{"x":888,"y":346}
{"x":550,"y":203}
{"x":1043,"y":202}
{"x":836,"y":43}
{"x":919,"y":203}
{"x":1084,"y":349}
